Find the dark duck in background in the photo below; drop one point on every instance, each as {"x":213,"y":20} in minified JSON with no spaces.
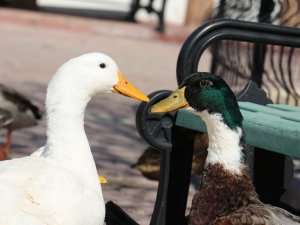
{"x":149,"y":162}
{"x":226,"y":195}
{"x":16,"y":111}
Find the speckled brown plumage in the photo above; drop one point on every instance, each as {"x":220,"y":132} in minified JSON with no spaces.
{"x":258,"y":214}
{"x":220,"y":194}
{"x":228,"y":199}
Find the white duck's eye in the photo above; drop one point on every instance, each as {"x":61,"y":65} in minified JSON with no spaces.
{"x":102,"y":65}
{"x":205,"y":83}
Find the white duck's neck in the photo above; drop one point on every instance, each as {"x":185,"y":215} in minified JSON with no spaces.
{"x":67,"y":144}
{"x":224,"y":143}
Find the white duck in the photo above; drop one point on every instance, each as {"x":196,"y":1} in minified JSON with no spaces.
{"x":58,"y":184}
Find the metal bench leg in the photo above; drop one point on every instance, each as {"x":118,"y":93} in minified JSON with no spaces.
{"x":135,"y":6}
{"x":159,"y":212}
{"x":268,"y":175}
{"x":179,"y":177}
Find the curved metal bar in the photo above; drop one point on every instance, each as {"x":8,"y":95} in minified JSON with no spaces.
{"x":225,"y":29}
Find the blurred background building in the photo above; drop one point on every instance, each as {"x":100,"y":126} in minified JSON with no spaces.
{"x":183,"y":12}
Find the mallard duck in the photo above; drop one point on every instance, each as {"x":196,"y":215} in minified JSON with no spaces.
{"x":16,"y":111}
{"x":226,"y":195}
{"x":59,"y":184}
{"x":149,"y":162}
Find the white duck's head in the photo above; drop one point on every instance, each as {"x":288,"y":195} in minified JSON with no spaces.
{"x":69,"y":92}
{"x":91,"y":74}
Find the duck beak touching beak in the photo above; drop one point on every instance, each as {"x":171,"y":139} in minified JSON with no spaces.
{"x":125,"y":88}
{"x":175,"y":101}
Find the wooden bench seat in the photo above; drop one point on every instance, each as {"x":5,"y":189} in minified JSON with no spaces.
{"x":272,"y":127}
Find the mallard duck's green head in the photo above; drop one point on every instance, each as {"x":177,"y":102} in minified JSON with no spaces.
{"x":204,"y":91}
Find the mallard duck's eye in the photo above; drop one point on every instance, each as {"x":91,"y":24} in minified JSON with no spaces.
{"x":175,"y":96}
{"x":205,"y":83}
{"x":102,"y":65}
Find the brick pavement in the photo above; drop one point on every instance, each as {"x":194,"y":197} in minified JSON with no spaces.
{"x":33,"y":45}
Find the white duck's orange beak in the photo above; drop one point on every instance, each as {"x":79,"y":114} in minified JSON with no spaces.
{"x":123,"y":87}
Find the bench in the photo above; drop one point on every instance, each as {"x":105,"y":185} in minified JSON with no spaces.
{"x":174,"y":133}
{"x":135,"y":6}
{"x":273,"y":127}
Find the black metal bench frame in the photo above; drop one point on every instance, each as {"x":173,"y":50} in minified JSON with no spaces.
{"x":130,"y":16}
{"x":174,"y":182}
{"x":136,"y":5}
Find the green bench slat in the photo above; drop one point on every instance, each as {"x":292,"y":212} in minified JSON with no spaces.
{"x":285,"y":107}
{"x":287,"y":113}
{"x":272,"y":133}
{"x":189,"y":120}
{"x":269,"y":127}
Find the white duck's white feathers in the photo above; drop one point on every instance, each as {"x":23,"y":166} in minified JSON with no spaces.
{"x":37,"y":191}
{"x":58,"y":185}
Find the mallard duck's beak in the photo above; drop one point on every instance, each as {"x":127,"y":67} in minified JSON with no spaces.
{"x":175,"y":101}
{"x":123,"y":87}
{"x":102,"y":180}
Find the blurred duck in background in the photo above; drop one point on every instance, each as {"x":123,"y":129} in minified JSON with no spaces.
{"x":16,"y":111}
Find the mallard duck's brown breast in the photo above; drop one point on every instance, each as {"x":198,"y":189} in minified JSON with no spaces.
{"x":220,"y":194}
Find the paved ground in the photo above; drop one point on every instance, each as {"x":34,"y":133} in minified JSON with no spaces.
{"x":33,"y":45}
